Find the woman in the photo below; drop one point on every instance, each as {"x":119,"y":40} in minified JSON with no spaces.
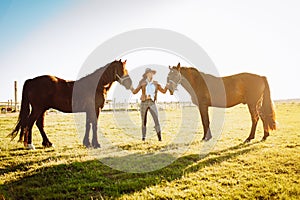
{"x":149,"y":93}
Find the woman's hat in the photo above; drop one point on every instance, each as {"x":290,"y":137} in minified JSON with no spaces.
{"x":147,"y":70}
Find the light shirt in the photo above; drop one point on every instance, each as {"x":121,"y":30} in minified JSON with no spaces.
{"x":150,"y":89}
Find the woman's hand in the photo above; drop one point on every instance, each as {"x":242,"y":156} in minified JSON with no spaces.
{"x":167,"y":85}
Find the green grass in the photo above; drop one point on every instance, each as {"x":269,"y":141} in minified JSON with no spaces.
{"x":233,"y":170}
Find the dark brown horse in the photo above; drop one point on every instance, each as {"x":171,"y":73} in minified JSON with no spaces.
{"x":84,"y":95}
{"x":207,"y":90}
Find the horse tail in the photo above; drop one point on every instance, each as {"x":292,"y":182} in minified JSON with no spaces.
{"x":23,"y":115}
{"x":268,"y":108}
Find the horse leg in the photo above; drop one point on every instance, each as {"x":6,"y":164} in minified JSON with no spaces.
{"x":32,"y":118}
{"x":95,"y":142}
{"x":24,"y":134}
{"x":266,"y":128}
{"x":40,"y":124}
{"x":205,"y":122}
{"x":86,"y":140}
{"x":254,"y":118}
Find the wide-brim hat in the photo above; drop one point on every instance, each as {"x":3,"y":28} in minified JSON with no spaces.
{"x":147,"y":70}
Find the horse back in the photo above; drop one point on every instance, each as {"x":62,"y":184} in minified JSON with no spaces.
{"x":51,"y":92}
{"x":243,"y":88}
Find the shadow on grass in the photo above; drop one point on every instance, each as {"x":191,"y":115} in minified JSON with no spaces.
{"x":24,"y":166}
{"x":94,"y":179}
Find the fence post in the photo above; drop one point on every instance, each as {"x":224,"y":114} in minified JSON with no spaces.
{"x":16,"y":97}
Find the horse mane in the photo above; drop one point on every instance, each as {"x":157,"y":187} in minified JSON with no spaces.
{"x":101,"y":74}
{"x":101,"y":79}
{"x":185,"y":71}
{"x":196,"y":79}
{"x":193,"y":70}
{"x":190,"y":69}
{"x":98,"y":72}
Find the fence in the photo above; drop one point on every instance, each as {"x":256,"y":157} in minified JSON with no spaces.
{"x":9,"y":106}
{"x":134,"y":106}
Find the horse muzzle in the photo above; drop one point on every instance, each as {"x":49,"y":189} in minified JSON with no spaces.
{"x":125,"y":81}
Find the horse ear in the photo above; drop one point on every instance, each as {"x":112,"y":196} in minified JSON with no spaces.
{"x":169,"y":67}
{"x":178,"y":66}
{"x":124,"y":63}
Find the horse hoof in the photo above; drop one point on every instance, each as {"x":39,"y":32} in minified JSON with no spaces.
{"x":87,"y":144}
{"x":247,"y":141}
{"x":96,"y":146}
{"x":47,"y":144}
{"x":31,"y":147}
{"x":207,"y":138}
{"x":25,"y":144}
{"x":263,"y":139}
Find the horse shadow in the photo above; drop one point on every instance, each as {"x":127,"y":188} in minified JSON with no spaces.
{"x":97,"y":180}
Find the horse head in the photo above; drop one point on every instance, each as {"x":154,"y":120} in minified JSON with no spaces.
{"x":174,"y":78}
{"x":121,"y":74}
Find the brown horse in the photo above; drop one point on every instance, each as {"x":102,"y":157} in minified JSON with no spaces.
{"x":207,"y":90}
{"x":84,"y":95}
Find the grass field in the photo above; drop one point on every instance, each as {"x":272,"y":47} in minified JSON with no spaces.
{"x":232,"y":170}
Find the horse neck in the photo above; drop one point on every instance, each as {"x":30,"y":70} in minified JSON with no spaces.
{"x":106,"y":77}
{"x":99,"y":79}
{"x":189,"y":79}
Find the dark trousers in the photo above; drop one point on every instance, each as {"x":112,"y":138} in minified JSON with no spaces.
{"x":151,"y":106}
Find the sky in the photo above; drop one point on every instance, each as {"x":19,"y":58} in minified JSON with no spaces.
{"x":56,"y":37}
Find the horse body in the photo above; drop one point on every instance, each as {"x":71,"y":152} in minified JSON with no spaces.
{"x":207,"y":90}
{"x":87,"y":95}
{"x":53,"y":92}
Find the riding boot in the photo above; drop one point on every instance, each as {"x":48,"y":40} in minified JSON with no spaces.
{"x":143,"y":133}
{"x":158,"y":131}
{"x":159,"y":136}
